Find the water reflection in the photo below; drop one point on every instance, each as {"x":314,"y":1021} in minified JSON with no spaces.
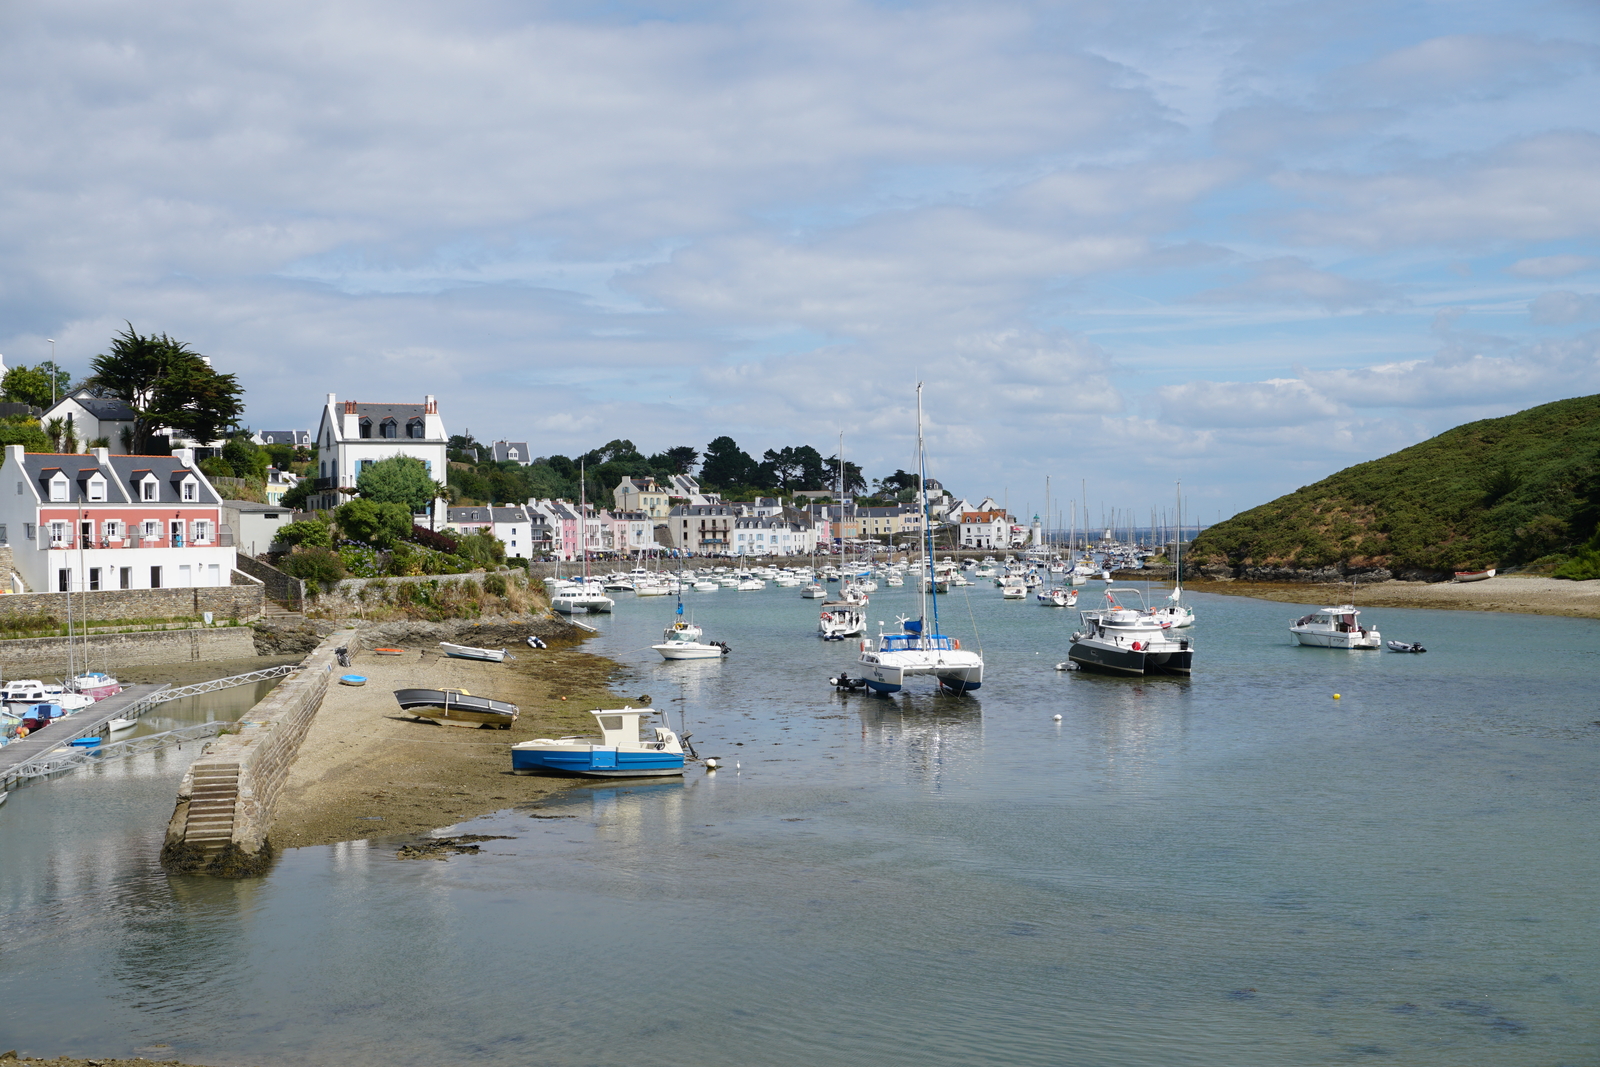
{"x":937,"y":739}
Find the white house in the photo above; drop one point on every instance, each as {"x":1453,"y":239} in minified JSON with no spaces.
{"x":767,"y":535}
{"x":353,"y":435}
{"x":985,"y":529}
{"x":522,"y":534}
{"x":511,"y":452}
{"x":97,"y":521}
{"x":93,"y":417}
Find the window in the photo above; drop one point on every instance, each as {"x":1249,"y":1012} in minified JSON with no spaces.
{"x":58,"y":533}
{"x":94,"y":577}
{"x":27,"y":530}
{"x":19,"y":488}
{"x":152,"y":530}
{"x":189,"y":489}
{"x":125,"y":576}
{"x":97,"y":488}
{"x":86,"y":531}
{"x":389,"y":428}
{"x":155,"y":577}
{"x":416,"y":429}
{"x":202,"y":531}
{"x":366,"y":427}
{"x":177,"y":533}
{"x":58,"y":487}
{"x":111,"y":530}
{"x":63,"y":579}
{"x":3,"y":540}
{"x":147,"y":489}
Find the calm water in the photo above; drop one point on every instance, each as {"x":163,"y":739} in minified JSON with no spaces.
{"x":1231,"y":869}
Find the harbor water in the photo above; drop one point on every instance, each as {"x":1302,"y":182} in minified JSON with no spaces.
{"x":1297,"y":856}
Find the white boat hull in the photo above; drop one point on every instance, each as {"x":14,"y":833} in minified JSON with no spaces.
{"x":674,"y":650}
{"x":1319,"y":639}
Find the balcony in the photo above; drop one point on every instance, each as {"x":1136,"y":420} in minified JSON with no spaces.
{"x":324,"y":484}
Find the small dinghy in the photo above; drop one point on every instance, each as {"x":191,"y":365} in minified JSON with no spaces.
{"x":1406,"y":646}
{"x":352,"y":679}
{"x":85,"y":742}
{"x":535,"y":641}
{"x":491,"y":655}
{"x":121,"y":724}
{"x":388,"y":652}
{"x":456,"y":707}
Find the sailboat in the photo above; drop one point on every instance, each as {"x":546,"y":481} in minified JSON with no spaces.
{"x":587,"y":595}
{"x":1174,"y":613}
{"x":920,"y":648}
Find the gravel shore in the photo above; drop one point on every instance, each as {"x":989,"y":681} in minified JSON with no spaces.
{"x":1508,"y":593}
{"x":367,"y":769}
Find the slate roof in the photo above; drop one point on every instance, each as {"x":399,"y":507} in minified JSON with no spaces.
{"x":79,"y":468}
{"x":502,"y":452}
{"x":286,"y":437}
{"x":107,"y":408}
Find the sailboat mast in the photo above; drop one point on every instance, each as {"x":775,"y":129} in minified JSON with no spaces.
{"x":1177,"y":545}
{"x":929,"y":591}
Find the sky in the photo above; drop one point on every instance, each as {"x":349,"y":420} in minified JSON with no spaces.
{"x":1127,"y":244}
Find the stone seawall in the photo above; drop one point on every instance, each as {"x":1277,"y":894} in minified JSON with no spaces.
{"x":284,"y":588}
{"x":224,"y":811}
{"x":242,"y":602}
{"x":46,"y":657}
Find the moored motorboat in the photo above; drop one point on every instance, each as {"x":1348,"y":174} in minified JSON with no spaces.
{"x":622,"y":752}
{"x":1123,"y":639}
{"x":491,"y":655}
{"x":683,"y":640}
{"x":839,"y":621}
{"x":1057,"y":598}
{"x":456,"y":707}
{"x":1334,"y":627}
{"x":581,"y":599}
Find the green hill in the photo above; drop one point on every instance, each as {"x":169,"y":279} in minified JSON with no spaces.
{"x":1522,"y":489}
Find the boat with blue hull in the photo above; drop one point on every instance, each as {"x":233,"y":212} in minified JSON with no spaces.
{"x":623,"y":751}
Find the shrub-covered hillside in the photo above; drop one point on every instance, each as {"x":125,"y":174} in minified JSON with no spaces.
{"x":1495,"y":493}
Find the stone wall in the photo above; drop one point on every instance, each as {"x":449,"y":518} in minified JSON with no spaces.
{"x":225,"y":805}
{"x":242,"y":602}
{"x":47,"y":657}
{"x":284,"y":588}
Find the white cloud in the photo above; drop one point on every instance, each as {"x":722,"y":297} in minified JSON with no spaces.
{"x":1562,"y":308}
{"x":1277,"y":402}
{"x":1293,"y":280}
{"x":1553,"y":266}
{"x":1467,"y":64}
{"x":1461,"y":375}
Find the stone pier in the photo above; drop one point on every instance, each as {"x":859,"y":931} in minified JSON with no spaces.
{"x":224,"y":812}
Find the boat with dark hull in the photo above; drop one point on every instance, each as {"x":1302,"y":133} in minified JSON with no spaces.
{"x":1119,"y":639}
{"x":456,"y":707}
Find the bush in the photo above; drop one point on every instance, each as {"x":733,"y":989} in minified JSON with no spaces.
{"x":314,"y":564}
{"x":496,"y":584}
{"x":376,"y":524}
{"x":305,"y":533}
{"x":439,"y":542}
{"x":483,"y":549}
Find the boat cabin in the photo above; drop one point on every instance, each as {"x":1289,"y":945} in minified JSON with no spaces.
{"x":1338,"y":622}
{"x":622,"y":727}
{"x":917,"y":643}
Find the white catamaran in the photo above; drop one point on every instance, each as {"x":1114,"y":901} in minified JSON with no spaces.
{"x":920,"y":648}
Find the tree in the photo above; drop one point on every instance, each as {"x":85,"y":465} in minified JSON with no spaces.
{"x":379,"y":525}
{"x":898,"y":482}
{"x":306,"y":532}
{"x":679,"y":460}
{"x":34,"y":385}
{"x":853,"y":480}
{"x":247,"y":458}
{"x":726,"y":466}
{"x":168,"y":385}
{"x":295,"y":497}
{"x":397,"y":480}
{"x":24,"y":432}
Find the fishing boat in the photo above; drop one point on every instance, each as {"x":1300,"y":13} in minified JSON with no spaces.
{"x":1120,"y":638}
{"x":1334,"y":627}
{"x":684,"y":640}
{"x":919,"y":648}
{"x":491,"y":655}
{"x":840,"y":620}
{"x":623,"y":750}
{"x":1474,"y":576}
{"x":1057,"y":597}
{"x":456,"y":707}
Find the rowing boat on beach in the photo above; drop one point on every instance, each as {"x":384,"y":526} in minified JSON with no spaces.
{"x":489,"y":655}
{"x":1474,"y":576}
{"x":456,"y":707}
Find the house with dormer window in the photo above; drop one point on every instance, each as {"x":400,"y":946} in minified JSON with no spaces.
{"x":354,"y":434}
{"x":94,"y":520}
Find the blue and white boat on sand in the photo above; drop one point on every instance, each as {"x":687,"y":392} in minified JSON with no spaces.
{"x":623,"y":751}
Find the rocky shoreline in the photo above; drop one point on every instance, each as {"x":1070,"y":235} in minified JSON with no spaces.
{"x":1527,"y":595}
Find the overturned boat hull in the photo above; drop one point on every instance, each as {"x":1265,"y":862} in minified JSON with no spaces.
{"x":453,"y":707}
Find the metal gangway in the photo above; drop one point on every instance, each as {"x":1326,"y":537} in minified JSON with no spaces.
{"x":67,"y":757}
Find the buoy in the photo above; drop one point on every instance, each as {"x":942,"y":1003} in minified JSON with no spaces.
{"x":711,"y":763}
{"x":1336,"y":696}
{"x":1057,"y":718}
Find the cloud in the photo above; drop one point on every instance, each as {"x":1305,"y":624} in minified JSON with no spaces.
{"x":1274,"y":127}
{"x":1293,"y":280}
{"x":1277,"y":402}
{"x":1539,"y":188}
{"x":1467,"y":65}
{"x":1562,"y":308}
{"x":1552,"y":266}
{"x":1462,"y":375}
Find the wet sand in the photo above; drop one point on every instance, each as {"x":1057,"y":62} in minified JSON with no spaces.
{"x":367,"y":769}
{"x":1509,"y":593}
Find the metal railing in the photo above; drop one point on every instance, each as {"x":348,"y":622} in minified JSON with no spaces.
{"x":70,"y":759}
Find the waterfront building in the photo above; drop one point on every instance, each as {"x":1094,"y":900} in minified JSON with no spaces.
{"x":641,"y":494}
{"x":353,"y":435}
{"x":524,"y":532}
{"x":93,"y":520}
{"x":704,"y":529}
{"x":985,"y":529}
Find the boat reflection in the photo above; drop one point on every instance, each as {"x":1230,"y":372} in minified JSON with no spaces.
{"x":938,"y":739}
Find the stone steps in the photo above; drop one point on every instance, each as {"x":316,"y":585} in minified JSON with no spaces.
{"x":212,"y":798}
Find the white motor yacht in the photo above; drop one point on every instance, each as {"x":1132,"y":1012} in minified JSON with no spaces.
{"x":1335,"y":627}
{"x":1119,"y":639}
{"x":839,"y":621}
{"x":683,"y":640}
{"x":581,"y":599}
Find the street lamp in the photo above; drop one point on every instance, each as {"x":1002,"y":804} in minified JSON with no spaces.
{"x":52,"y":341}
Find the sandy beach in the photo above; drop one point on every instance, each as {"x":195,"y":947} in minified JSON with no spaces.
{"x":367,"y":769}
{"x":1508,"y":593}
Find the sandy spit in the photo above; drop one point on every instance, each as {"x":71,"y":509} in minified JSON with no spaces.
{"x":366,"y":769}
{"x":1507,"y":593}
